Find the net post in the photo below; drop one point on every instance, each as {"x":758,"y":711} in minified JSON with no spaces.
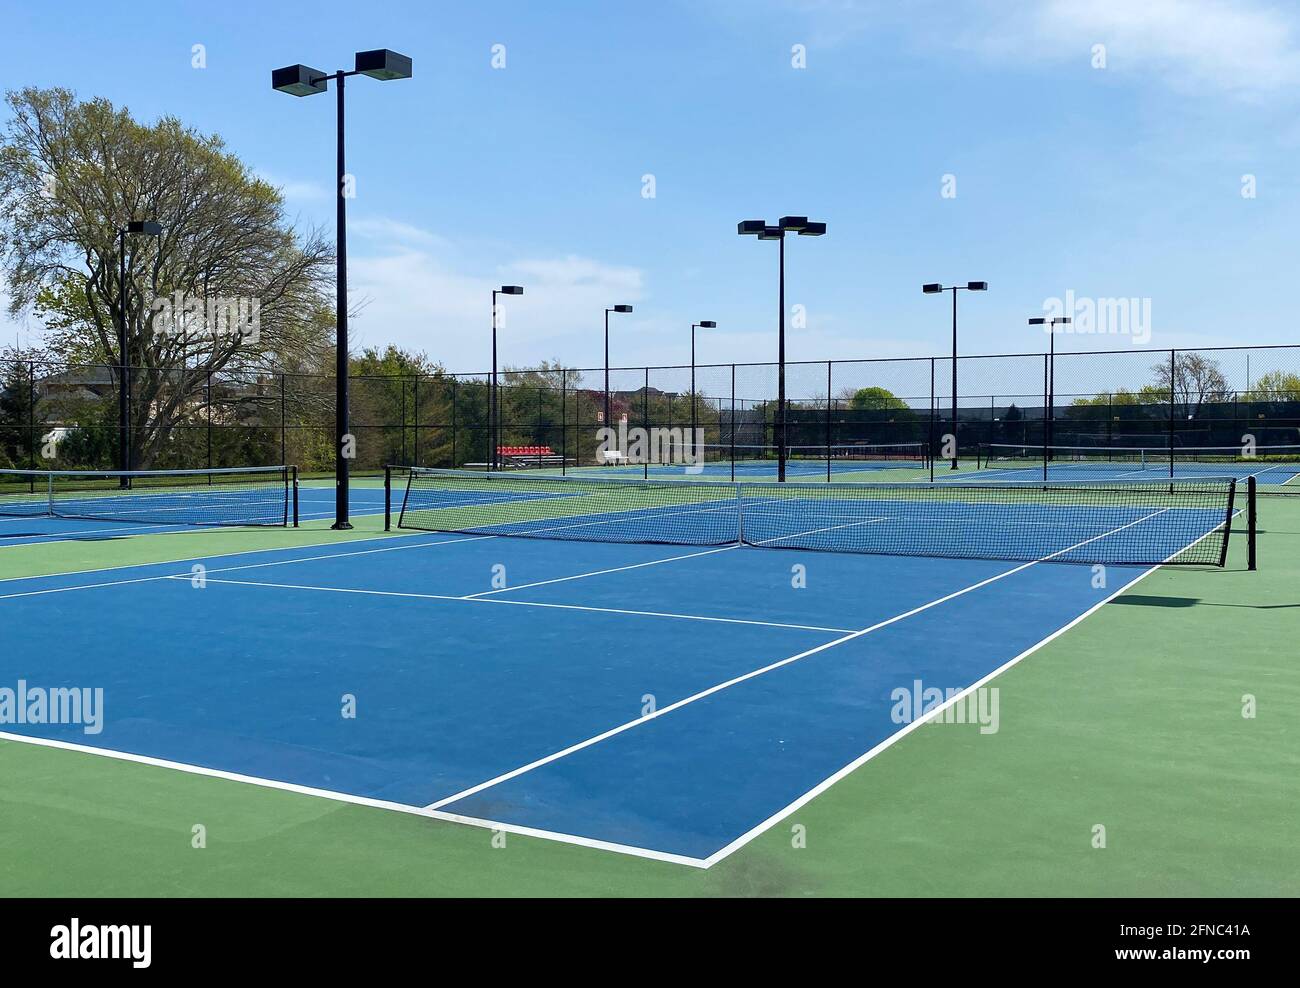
{"x":740,"y":513}
{"x":1252,"y":524}
{"x":294,"y":478}
{"x":388,"y":498}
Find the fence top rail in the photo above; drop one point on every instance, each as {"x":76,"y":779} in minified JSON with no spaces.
{"x":484,"y":376}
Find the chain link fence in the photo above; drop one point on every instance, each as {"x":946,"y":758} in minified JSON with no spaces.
{"x":65,"y":416}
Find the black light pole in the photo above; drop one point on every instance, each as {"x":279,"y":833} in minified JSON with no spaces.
{"x":146,"y":228}
{"x":302,"y":80}
{"x":758,"y":228}
{"x":1049,"y":420}
{"x":706,"y":324}
{"x":494,"y":408}
{"x":935,"y":289}
{"x":617,"y":308}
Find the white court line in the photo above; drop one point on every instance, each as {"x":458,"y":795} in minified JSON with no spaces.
{"x":158,"y":528}
{"x":342,"y":797}
{"x":244,"y":552}
{"x":474,"y":599}
{"x":718,"y":687}
{"x":603,"y":572}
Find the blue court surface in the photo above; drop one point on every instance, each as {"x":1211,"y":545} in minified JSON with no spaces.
{"x":810,"y":469}
{"x":1266,"y":473}
{"x":670,"y":702}
{"x":316,"y":503}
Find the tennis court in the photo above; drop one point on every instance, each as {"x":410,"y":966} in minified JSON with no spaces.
{"x":666,"y":700}
{"x":44,"y":506}
{"x":1276,"y":468}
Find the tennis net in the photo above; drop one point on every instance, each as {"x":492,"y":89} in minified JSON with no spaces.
{"x":806,"y":460}
{"x":1136,"y":522}
{"x":220,"y":496}
{"x":1276,"y":467}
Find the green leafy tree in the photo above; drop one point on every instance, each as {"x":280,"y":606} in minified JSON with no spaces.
{"x":1275,"y":386}
{"x":71,"y":174}
{"x":876,"y":399}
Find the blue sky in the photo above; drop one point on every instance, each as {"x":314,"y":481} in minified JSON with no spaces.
{"x":1122,"y":181}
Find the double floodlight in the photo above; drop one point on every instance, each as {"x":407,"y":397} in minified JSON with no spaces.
{"x":303,"y":80}
{"x":787,"y":224}
{"x":970,"y":286}
{"x":1040,"y":321}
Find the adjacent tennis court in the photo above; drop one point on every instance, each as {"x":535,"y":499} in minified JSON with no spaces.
{"x":668,"y":700}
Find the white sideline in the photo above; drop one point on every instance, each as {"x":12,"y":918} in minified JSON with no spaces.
{"x":343,"y":797}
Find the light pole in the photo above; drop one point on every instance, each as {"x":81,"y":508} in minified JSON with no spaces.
{"x":706,"y":324}
{"x":302,"y":80}
{"x":147,"y":228}
{"x":760,"y":229}
{"x":494,"y":408}
{"x":1049,"y":421}
{"x":621,"y":309}
{"x":935,"y":289}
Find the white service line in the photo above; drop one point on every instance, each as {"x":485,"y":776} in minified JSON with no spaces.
{"x":518,"y":603}
{"x":602,"y":572}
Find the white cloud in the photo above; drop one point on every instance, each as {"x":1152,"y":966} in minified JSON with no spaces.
{"x":297,"y":190}
{"x":419,"y":300}
{"x":1242,"y":47}
{"x":1248,"y":48}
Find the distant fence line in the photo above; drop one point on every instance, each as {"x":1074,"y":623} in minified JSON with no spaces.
{"x":186,"y":418}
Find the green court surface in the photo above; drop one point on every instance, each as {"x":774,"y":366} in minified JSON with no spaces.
{"x":1131,"y":720}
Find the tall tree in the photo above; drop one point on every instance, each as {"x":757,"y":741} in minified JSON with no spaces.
{"x":72,"y":173}
{"x":1196,"y":378}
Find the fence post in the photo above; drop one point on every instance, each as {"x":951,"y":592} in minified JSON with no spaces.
{"x":415,"y":423}
{"x":284,"y":445}
{"x":733,"y":422}
{"x":1047,"y":413}
{"x":829,"y":400}
{"x":209,"y":397}
{"x":930,"y":440}
{"x":564,"y":421}
{"x":454,"y":382}
{"x":645,"y":417}
{"x":31,"y":414}
{"x":1173,"y":371}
